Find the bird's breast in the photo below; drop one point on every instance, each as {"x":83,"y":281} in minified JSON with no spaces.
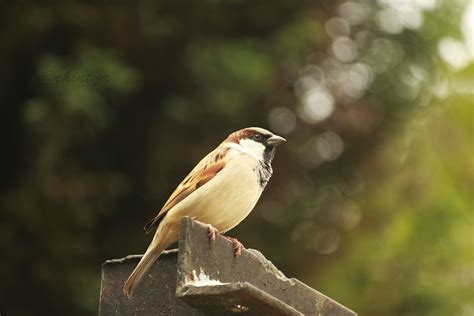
{"x":228,"y":198}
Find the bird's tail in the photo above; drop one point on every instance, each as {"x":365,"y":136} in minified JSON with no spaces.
{"x":142,"y":268}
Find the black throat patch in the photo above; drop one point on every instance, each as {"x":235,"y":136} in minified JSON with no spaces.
{"x":264,"y":170}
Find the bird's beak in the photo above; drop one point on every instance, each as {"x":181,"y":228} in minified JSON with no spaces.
{"x":275,"y":140}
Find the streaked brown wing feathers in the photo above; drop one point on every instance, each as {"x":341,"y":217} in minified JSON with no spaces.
{"x":204,"y":171}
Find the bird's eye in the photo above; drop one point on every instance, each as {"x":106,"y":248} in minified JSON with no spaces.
{"x":257,"y":137}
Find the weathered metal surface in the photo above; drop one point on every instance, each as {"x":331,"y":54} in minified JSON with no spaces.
{"x":235,"y":298}
{"x":255,"y":278}
{"x":154,"y":296}
{"x":205,"y":278}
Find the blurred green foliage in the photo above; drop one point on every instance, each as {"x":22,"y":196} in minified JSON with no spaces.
{"x":419,"y":236}
{"x":106,"y":107}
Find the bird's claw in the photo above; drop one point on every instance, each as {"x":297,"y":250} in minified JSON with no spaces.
{"x":212,"y":232}
{"x":237,"y":245}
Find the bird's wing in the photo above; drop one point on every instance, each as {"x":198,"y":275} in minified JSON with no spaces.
{"x":204,"y":171}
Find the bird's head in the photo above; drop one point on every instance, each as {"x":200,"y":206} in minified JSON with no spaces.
{"x":257,"y":142}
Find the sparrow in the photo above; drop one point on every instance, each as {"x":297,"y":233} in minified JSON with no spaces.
{"x":220,"y":191}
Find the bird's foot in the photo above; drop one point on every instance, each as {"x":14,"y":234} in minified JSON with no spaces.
{"x":236,"y":244}
{"x":212,"y":232}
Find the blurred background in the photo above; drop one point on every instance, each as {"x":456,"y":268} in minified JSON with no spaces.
{"x":107,"y":105}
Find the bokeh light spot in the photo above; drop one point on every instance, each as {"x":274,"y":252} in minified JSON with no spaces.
{"x":317,"y":105}
{"x":336,"y":27}
{"x":453,"y":52}
{"x":282,"y":120}
{"x":329,"y":145}
{"x":354,"y":13}
{"x":388,"y":21}
{"x":345,"y":49}
{"x":325,"y":241}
